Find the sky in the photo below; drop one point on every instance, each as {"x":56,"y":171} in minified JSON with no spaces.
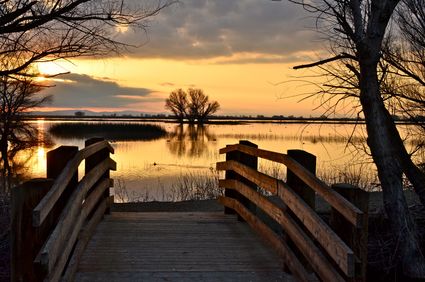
{"x":241,"y":53}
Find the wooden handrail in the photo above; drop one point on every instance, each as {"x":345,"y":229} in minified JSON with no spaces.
{"x":52,"y":250}
{"x":60,"y":216}
{"x":336,"y":248}
{"x":263,"y":180}
{"x":347,"y":209}
{"x":328,"y":252}
{"x":45,"y":206}
{"x":279,"y":245}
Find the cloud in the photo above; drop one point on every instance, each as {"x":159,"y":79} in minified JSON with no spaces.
{"x":167,"y":84}
{"x":202,"y":29}
{"x":84,"y":91}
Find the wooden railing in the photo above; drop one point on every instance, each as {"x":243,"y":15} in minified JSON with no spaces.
{"x":311,"y":247}
{"x":54,"y":218}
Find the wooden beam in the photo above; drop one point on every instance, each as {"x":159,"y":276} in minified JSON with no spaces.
{"x":56,"y":273}
{"x":92,"y":161}
{"x":347,"y":209}
{"x":337,"y":249}
{"x":328,"y":239}
{"x":26,"y":240}
{"x":83,"y":240}
{"x":263,"y":180}
{"x":52,"y":250}
{"x":44,"y":207}
{"x":356,"y":238}
{"x":271,"y":238}
{"x":317,"y":260}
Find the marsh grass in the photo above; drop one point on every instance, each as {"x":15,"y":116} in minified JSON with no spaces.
{"x":191,"y":185}
{"x":360,"y":175}
{"x":110,"y":131}
{"x":197,"y":186}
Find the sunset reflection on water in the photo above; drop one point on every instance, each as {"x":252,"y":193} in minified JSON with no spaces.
{"x":154,"y":167}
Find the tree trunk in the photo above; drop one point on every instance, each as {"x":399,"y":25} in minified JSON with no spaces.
{"x":4,"y":157}
{"x":386,"y":154}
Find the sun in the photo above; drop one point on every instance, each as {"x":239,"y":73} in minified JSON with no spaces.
{"x":51,"y":68}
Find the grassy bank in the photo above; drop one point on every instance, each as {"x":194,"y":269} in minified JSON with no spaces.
{"x":110,"y":131}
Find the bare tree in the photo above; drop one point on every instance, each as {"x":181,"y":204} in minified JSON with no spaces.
{"x":405,"y":56}
{"x":196,"y":107}
{"x":357,"y":30}
{"x":177,"y":103}
{"x":38,"y":31}
{"x":17,"y":95}
{"x":200,"y":108}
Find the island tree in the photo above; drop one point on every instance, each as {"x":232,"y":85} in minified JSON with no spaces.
{"x":192,"y":105}
{"x":200,"y":108}
{"x":177,"y":103}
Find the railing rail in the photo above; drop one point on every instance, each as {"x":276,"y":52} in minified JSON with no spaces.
{"x":327,"y":254}
{"x":64,"y":215}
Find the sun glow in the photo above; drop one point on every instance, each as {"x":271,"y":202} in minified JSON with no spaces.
{"x":51,"y":68}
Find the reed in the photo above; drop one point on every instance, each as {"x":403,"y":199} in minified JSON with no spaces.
{"x":191,"y":185}
{"x":109,"y":131}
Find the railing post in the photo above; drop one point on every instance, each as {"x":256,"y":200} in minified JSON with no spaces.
{"x":247,"y":160}
{"x":57,"y":159}
{"x":355,"y":238}
{"x":308,"y":161}
{"x":308,"y":195}
{"x":94,"y":160}
{"x":26,"y":240}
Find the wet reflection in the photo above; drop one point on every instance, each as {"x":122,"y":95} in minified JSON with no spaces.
{"x":190,"y":140}
{"x":23,"y":153}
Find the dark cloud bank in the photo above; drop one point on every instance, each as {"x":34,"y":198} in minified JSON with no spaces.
{"x":84,"y":91}
{"x":199,"y":29}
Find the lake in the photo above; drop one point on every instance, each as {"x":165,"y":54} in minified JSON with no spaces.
{"x":185,"y":158}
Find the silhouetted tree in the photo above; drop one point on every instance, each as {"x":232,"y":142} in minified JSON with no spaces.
{"x":356,"y":31}
{"x":200,"y":108}
{"x":37,"y":31}
{"x":17,"y":96}
{"x":196,"y":107}
{"x":404,"y":55}
{"x":177,"y":103}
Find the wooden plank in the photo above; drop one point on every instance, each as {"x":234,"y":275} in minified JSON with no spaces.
{"x":347,"y":209}
{"x":263,"y":180}
{"x":317,"y":260}
{"x":271,"y":238}
{"x":186,"y":245}
{"x":337,"y":249}
{"x":328,"y":239}
{"x":204,"y":276}
{"x":43,"y":208}
{"x":55,"y":275}
{"x":52,"y":250}
{"x":27,"y":240}
{"x":92,"y":161}
{"x":356,"y":238}
{"x":83,"y":240}
{"x":308,"y":161}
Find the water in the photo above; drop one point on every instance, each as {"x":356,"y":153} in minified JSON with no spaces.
{"x":156,"y":170}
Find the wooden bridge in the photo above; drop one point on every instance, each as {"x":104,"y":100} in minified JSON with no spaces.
{"x":63,"y":229}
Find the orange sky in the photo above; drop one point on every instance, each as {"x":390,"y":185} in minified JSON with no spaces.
{"x":242,"y":56}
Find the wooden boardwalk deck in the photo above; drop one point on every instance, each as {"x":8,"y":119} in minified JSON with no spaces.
{"x":189,"y":246}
